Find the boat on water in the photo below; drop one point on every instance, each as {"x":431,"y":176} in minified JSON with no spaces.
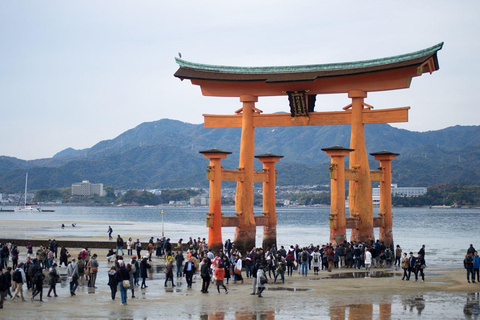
{"x":26,"y":206}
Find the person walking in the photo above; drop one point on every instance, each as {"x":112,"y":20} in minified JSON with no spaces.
{"x":81,"y":271}
{"x":238,"y":269}
{"x":123,"y":275}
{"x":136,"y":273}
{"x":220,"y":275}
{"x":316,"y":261}
{"x":138,"y":247}
{"x":119,"y":245}
{"x":419,"y":266}
{"x":281,"y":268}
{"x":38,"y":281}
{"x":188,"y":271}
{"x":261,"y":280}
{"x":404,"y":265}
{"x":63,"y":256}
{"x":468,"y":264}
{"x":53,"y":276}
{"x":205,"y":274}
{"x":398,"y":255}
{"x":19,"y":279}
{"x":3,"y":287}
{"x":112,"y":281}
{"x":368,"y":260}
{"x":131,"y":273}
{"x":290,"y":259}
{"x":130,"y":245}
{"x":109,"y":231}
{"x":179,"y":263}
{"x":93,"y":264}
{"x":169,"y":272}
{"x":412,"y":261}
{"x":143,"y":271}
{"x":476,"y":266}
{"x":72,"y":275}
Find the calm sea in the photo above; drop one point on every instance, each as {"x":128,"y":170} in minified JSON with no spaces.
{"x":446,"y":233}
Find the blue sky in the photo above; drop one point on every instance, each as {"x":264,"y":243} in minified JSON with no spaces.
{"x":73,"y":73}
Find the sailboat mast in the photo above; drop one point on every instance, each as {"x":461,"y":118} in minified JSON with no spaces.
{"x":26,"y":181}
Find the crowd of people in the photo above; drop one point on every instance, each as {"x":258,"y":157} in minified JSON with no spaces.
{"x":186,"y":259}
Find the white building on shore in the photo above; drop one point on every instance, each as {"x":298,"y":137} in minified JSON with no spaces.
{"x":85,"y":188}
{"x":399,"y":192}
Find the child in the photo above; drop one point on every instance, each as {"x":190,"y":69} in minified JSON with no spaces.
{"x":220,"y":275}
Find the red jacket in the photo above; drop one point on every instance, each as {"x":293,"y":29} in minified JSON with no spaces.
{"x":220,"y":273}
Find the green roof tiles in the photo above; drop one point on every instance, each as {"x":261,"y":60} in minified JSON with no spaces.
{"x":312,"y":68}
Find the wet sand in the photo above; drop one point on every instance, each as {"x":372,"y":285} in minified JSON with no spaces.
{"x":341,"y":294}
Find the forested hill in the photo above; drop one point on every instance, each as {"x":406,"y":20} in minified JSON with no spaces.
{"x":164,"y":154}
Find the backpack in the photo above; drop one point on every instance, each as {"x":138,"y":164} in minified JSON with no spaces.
{"x":81,"y":267}
{"x":305,"y":257}
{"x":289,"y":261}
{"x":388,"y":254}
{"x":38,"y":278}
{"x":315,"y":258}
{"x":17,"y":276}
{"x":30,"y":270}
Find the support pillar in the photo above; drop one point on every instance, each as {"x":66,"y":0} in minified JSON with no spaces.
{"x":338,"y":225}
{"x":386,"y":158}
{"x":269,"y":200}
{"x":214,"y":216}
{"x":246,"y":229}
{"x":360,"y":191}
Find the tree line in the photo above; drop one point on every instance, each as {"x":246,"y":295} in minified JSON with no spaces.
{"x":441,"y":194}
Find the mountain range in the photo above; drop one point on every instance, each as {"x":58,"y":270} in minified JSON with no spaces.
{"x":165,"y":154}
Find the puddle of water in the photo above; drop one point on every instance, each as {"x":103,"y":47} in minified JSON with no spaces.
{"x":287,"y":289}
{"x":351,"y":275}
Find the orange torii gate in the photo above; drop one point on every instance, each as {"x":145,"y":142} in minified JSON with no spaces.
{"x":302,"y":84}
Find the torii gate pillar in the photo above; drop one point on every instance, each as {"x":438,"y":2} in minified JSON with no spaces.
{"x":214,"y":216}
{"x":386,"y":158}
{"x":246,"y":229}
{"x":360,"y":190}
{"x":269,"y":209}
{"x":338,"y":224}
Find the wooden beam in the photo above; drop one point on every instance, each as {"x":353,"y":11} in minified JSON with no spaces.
{"x":352,"y":223}
{"x":376,"y":175}
{"x":233,"y":175}
{"x":261,"y":220}
{"x":232,"y":221}
{"x":260,"y":176}
{"x":378,"y":222}
{"x":351,"y":175}
{"x":313,"y":119}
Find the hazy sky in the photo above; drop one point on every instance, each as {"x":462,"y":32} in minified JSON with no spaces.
{"x":73,"y":73}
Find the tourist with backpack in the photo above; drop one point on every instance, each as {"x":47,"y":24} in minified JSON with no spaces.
{"x":53,"y":277}
{"x":19,"y":279}
{"x":290,"y":259}
{"x":316,"y":261}
{"x":3,"y":287}
{"x":304,"y":257}
{"x":38,"y":281}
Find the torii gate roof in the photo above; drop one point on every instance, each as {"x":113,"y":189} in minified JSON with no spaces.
{"x":369,"y":75}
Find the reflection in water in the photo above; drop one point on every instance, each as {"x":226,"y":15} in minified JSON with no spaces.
{"x":417,"y":302}
{"x":360,"y":274}
{"x":360,"y":311}
{"x":472,"y":306}
{"x":241,"y":315}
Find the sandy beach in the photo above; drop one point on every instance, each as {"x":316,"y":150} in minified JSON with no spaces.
{"x":341,"y":294}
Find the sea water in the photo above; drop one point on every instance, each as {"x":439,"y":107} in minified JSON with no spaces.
{"x":446,"y":233}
